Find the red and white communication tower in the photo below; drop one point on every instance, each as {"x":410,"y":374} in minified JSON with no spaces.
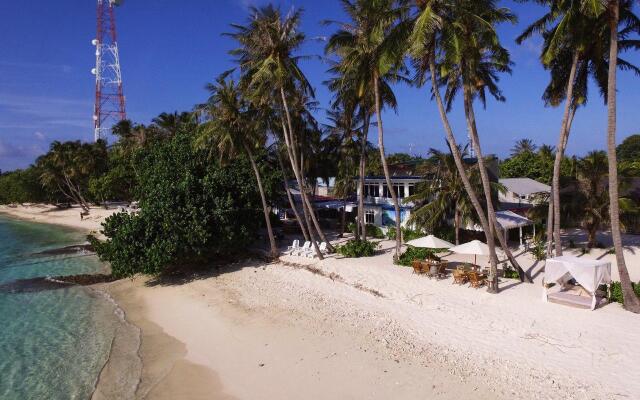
{"x":109,"y":107}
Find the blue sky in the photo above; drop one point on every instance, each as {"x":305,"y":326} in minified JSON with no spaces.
{"x":169,"y":49}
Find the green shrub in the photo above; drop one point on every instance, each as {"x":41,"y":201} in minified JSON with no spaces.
{"x":417,"y":253}
{"x":616,"y":291}
{"x":372,"y":230}
{"x":407,"y":234}
{"x":510,"y":273}
{"x":538,"y":250}
{"x":358,"y":248}
{"x":192,"y":211}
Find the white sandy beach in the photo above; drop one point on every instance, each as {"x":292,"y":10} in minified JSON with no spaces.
{"x":366,"y":329}
{"x":354,"y":329}
{"x":69,"y":217}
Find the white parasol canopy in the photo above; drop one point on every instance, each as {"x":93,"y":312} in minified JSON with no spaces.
{"x":475,"y":247}
{"x":588,"y":273}
{"x":430,"y":242}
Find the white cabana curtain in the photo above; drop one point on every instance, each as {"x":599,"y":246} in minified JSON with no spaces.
{"x":588,"y":273}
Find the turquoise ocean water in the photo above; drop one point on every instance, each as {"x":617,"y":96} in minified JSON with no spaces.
{"x":53,"y":341}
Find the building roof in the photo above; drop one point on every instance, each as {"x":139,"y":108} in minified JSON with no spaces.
{"x":510,"y":220}
{"x":524,"y":186}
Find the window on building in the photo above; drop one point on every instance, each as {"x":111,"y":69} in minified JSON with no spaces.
{"x":372,"y":190}
{"x":385,"y":191}
{"x":399,"y":189}
{"x":369,"y":217}
{"x":412,"y":189}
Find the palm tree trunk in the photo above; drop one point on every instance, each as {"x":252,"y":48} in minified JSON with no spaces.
{"x":292,"y":203}
{"x":343,"y":217}
{"x":265,"y":208}
{"x":486,"y":185}
{"x":308,"y":211}
{"x":496,"y":229}
{"x":631,"y":301}
{"x":562,"y":142}
{"x":550,"y":225}
{"x":363,"y":168}
{"x":385,"y":167}
{"x":456,"y":224}
{"x":296,"y":173}
{"x":455,"y":150}
{"x":300,"y":177}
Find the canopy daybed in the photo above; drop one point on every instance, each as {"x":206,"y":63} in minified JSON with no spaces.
{"x":588,"y":273}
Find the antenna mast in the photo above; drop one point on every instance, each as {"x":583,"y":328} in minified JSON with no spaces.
{"x":109,"y":106}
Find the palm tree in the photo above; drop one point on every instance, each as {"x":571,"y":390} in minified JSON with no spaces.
{"x":344,"y":133}
{"x":169,"y":123}
{"x":445,"y":197}
{"x":523,"y":146}
{"x":575,"y":34}
{"x":353,"y":105}
{"x":370,"y":59}
{"x":433,"y":32}
{"x":472,"y":61}
{"x":631,"y":301}
{"x":233,"y":128}
{"x":270,"y":71}
{"x":68,"y":166}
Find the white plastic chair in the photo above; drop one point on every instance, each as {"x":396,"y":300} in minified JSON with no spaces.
{"x":293,"y":247}
{"x":322,"y":248}
{"x":301,"y":250}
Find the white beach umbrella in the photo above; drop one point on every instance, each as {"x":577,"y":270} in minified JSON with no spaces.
{"x":475,"y":247}
{"x":430,"y":242}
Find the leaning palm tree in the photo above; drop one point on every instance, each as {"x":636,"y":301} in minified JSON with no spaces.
{"x":433,"y":32}
{"x":370,"y":59}
{"x":234,"y":129}
{"x":575,"y":37}
{"x":473,"y":58}
{"x":631,"y":301}
{"x":271,"y":76}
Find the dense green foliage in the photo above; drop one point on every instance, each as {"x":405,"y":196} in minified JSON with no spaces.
{"x":417,"y":253}
{"x":407,"y":234}
{"x":629,"y":149}
{"x":192,"y":210}
{"x":616,"y":291}
{"x":372,"y":230}
{"x":23,"y":186}
{"x":358,"y":248}
{"x":535,"y":165}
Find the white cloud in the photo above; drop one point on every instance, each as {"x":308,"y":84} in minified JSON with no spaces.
{"x":40,"y":136}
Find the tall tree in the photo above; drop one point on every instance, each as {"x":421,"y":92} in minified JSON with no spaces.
{"x":234,"y":128}
{"x":523,"y":146}
{"x":575,"y":37}
{"x":473,"y":59}
{"x":371,"y":59}
{"x":270,"y":71}
{"x":433,"y":34}
{"x":69,"y":166}
{"x":631,"y":301}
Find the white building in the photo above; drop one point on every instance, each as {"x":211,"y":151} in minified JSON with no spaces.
{"x":378,"y":204}
{"x":522,"y":193}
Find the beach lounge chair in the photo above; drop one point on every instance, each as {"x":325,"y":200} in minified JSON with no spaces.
{"x":294,"y":246}
{"x":476,"y":279}
{"x":301,"y":250}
